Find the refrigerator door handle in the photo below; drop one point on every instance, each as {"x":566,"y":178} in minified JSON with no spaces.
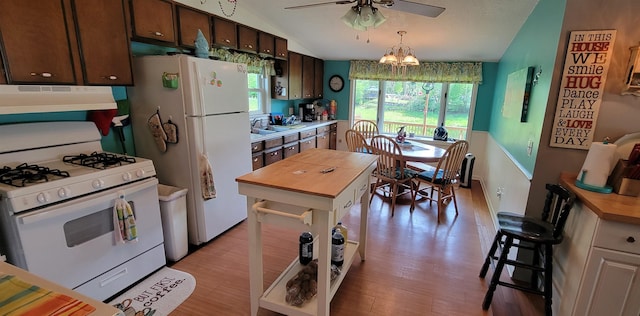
{"x":199,"y":87}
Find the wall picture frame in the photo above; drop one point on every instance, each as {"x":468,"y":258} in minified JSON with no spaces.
{"x":517,"y":94}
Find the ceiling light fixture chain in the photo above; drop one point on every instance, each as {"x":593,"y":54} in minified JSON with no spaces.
{"x":399,"y":57}
{"x":235,"y":4}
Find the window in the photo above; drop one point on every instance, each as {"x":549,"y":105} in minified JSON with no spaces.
{"x":257,"y":93}
{"x":419,"y":106}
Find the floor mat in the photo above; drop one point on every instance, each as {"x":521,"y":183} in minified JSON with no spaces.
{"x":158,"y":294}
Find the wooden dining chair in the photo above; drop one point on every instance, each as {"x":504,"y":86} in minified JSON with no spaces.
{"x":356,"y":142}
{"x":391,"y":172}
{"x":367,"y":128}
{"x":444,"y":176}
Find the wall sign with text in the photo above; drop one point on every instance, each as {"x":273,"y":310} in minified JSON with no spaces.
{"x":583,"y":78}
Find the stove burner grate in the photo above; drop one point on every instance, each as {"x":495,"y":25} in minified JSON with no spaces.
{"x":26,"y":174}
{"x":98,"y":160}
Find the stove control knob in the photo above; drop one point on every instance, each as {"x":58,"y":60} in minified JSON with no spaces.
{"x":97,"y":184}
{"x":44,"y":197}
{"x":140,"y":173}
{"x":64,"y":192}
{"x":126,"y":176}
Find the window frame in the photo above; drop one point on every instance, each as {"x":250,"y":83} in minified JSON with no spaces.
{"x":264,"y":102}
{"x":441,"y":114}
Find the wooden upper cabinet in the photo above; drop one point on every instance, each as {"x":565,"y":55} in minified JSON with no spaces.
{"x":36,"y":45}
{"x":104,"y":42}
{"x":266,"y":44}
{"x":308,"y":67}
{"x":189,"y":22}
{"x":152,"y":20}
{"x":247,"y":39}
{"x":225,"y":33}
{"x":318,"y":81}
{"x":295,"y":76}
{"x":281,"y":48}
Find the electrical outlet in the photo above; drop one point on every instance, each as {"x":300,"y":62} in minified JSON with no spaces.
{"x":500,"y":192}
{"x":529,"y":147}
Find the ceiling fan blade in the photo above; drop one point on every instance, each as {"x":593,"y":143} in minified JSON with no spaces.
{"x":416,"y":8}
{"x":319,"y":4}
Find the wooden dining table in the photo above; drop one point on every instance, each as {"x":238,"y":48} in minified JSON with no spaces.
{"x":414,"y":151}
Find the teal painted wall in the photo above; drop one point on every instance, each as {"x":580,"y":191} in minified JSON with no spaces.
{"x":484,"y":98}
{"x":109,"y":143}
{"x":535,"y":45}
{"x":341,"y":68}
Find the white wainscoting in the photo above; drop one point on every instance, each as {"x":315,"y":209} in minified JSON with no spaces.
{"x":499,"y":172}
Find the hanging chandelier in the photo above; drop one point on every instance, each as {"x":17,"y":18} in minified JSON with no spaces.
{"x":399,"y":57}
{"x":361,"y":17}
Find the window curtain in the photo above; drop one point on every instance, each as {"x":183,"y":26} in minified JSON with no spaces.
{"x":450,"y":72}
{"x":254,"y":63}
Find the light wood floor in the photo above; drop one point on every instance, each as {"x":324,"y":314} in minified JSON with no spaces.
{"x":414,"y":266}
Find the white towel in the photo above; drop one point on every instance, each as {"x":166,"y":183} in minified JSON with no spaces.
{"x":124,"y":221}
{"x":206,"y":178}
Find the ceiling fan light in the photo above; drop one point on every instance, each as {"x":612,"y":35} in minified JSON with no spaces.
{"x":351,"y":17}
{"x":378,"y":18}
{"x":366,"y":16}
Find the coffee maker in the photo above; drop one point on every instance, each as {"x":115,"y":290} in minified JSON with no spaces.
{"x":307,"y":112}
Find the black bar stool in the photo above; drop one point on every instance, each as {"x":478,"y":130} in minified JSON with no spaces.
{"x":537,"y":235}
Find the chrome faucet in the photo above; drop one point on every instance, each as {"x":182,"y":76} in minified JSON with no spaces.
{"x":256,"y":121}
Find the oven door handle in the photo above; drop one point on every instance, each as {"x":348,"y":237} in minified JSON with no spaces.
{"x":73,"y":206}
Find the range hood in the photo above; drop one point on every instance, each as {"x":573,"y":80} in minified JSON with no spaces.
{"x":17,"y":99}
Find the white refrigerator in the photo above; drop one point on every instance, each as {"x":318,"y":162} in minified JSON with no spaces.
{"x":208,"y":103}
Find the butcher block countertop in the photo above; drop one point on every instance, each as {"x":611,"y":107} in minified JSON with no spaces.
{"x":303,"y":172}
{"x":612,"y":206}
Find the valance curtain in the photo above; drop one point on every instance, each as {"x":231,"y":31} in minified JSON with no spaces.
{"x":450,"y":72}
{"x":254,"y":63}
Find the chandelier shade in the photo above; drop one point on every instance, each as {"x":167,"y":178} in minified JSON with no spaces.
{"x":399,"y":57}
{"x":363,"y":17}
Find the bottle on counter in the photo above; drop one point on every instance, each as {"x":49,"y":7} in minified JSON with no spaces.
{"x":306,"y":248}
{"x":337,"y":248}
{"x":343,"y":230}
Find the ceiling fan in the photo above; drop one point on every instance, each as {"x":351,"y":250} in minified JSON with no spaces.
{"x":399,"y":5}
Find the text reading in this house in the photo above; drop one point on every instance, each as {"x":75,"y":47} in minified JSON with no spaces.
{"x":585,"y":71}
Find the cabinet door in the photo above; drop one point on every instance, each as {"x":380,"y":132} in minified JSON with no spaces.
{"x":307,"y":143}
{"x":308,"y":67}
{"x":257,"y":160}
{"x":281,"y":48}
{"x":295,"y":76}
{"x":189,"y":22}
{"x":152,"y":20}
{"x":322,"y":141}
{"x":333,"y":139}
{"x":273,"y":155}
{"x":36,"y":45}
{"x":266,"y":44}
{"x":611,"y":285}
{"x":104,"y":42}
{"x":225,"y":33}
{"x":290,"y":149}
{"x":247,"y":39}
{"x":318,"y":81}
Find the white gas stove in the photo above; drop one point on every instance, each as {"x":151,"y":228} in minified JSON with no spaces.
{"x":57,"y":193}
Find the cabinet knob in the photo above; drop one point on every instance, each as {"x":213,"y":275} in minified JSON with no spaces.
{"x":156,"y":33}
{"x":227,"y":41}
{"x":249,"y":46}
{"x":630,"y":239}
{"x":112,"y":77}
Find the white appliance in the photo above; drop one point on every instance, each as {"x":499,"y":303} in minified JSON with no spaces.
{"x":209,"y":105}
{"x":57,"y":193}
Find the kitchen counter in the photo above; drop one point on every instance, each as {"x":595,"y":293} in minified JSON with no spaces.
{"x":305,"y":125}
{"x":612,"y":206}
{"x":101,"y":308}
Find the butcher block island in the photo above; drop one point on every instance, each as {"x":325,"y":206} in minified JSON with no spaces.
{"x":310,"y":191}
